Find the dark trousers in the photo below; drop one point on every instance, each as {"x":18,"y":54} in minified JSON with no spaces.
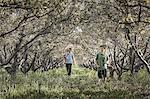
{"x":68,"y":67}
{"x":102,"y":73}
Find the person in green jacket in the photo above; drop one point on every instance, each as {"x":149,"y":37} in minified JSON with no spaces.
{"x":101,"y":63}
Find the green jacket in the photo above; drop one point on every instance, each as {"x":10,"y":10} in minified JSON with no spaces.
{"x":100,"y":60}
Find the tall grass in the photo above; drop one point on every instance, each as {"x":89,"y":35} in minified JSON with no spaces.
{"x":82,"y":84}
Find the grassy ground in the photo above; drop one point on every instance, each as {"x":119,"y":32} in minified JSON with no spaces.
{"x":83,"y":84}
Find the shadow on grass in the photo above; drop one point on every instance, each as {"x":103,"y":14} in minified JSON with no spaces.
{"x":117,"y":94}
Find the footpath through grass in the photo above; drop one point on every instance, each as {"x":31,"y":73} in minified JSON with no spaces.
{"x":82,"y":84}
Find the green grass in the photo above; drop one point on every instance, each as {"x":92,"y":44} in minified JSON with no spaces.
{"x":82,"y":84}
